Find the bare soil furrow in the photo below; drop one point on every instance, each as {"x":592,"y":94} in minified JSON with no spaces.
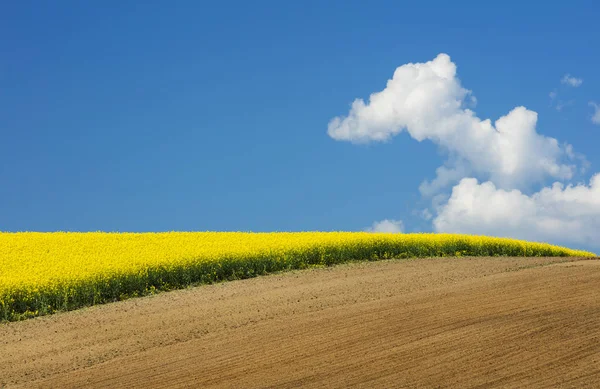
{"x":451,"y":322}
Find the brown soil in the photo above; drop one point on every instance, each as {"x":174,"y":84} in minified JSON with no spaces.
{"x":431,"y":323}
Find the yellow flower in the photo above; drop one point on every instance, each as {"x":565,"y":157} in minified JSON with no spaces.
{"x":45,"y":272}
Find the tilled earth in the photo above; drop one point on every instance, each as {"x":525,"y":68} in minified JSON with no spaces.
{"x":423,"y":323}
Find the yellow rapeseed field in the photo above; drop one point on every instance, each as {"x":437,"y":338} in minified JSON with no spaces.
{"x":41,"y":273}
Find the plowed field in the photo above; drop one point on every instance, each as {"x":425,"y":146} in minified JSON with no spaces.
{"x":452,"y":322}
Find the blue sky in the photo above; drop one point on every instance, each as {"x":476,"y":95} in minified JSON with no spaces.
{"x":214,"y":115}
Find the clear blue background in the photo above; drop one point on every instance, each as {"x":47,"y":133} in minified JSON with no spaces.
{"x":200,"y":115}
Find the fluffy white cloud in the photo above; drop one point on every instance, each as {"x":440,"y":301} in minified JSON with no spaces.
{"x":568,"y":215}
{"x":428,"y":101}
{"x":387,"y":226}
{"x":596,"y":115}
{"x":571,"y":81}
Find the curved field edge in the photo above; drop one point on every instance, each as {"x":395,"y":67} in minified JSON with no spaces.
{"x":25,"y":301}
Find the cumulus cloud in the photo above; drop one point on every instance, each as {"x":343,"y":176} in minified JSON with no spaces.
{"x":428,"y":101}
{"x":571,"y":81}
{"x":387,"y":226}
{"x":596,"y":114}
{"x":508,"y":156}
{"x":565,"y":214}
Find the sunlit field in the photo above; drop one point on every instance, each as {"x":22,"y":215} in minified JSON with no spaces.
{"x":41,"y":273}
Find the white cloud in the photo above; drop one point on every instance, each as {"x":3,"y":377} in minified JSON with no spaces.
{"x":445,"y":176}
{"x":426,"y":214}
{"x":584,"y":164}
{"x":428,"y":101}
{"x":387,"y":226}
{"x":571,"y":81}
{"x":596,"y":115}
{"x":562,"y":214}
{"x":562,"y":104}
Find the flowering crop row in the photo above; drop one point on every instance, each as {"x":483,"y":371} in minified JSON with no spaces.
{"x":41,"y":273}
